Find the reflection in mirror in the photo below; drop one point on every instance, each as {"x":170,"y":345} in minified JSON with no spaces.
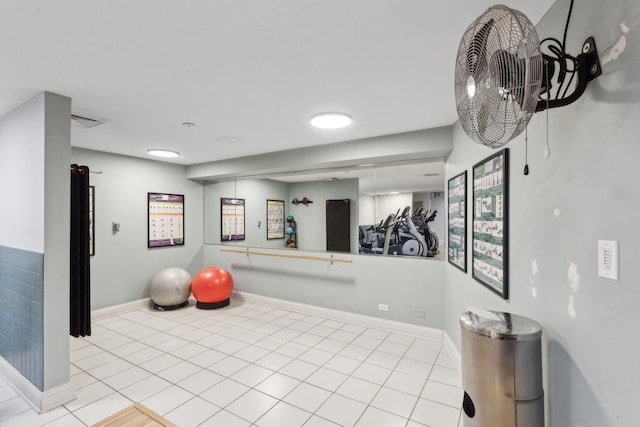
{"x":375,"y":192}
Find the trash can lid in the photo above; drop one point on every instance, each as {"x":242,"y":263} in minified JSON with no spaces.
{"x":501,"y":326}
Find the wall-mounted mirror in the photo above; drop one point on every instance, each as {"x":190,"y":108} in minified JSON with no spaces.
{"x":408,"y":191}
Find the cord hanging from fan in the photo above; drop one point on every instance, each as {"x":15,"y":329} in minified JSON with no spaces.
{"x":502,"y":76}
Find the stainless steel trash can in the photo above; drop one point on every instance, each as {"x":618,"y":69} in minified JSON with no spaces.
{"x":501,"y":370}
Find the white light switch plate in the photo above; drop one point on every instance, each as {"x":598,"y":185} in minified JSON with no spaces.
{"x":608,"y":259}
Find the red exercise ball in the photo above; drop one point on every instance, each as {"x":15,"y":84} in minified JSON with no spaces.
{"x":212,"y":287}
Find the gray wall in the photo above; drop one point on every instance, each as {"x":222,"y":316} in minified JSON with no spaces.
{"x":311,"y":219}
{"x":407,"y":285}
{"x":34,"y":239}
{"x":255,"y":193}
{"x":584,"y":192}
{"x":123,"y":265}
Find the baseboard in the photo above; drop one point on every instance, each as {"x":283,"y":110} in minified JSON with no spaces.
{"x":453,"y":351}
{"x":121,"y":308}
{"x":40,"y":401}
{"x":358,"y":319}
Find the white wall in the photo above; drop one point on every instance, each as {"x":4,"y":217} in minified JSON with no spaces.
{"x":390,"y":203}
{"x":22,"y":176}
{"x":586,"y":191}
{"x":367,"y":211}
{"x":123,"y":265}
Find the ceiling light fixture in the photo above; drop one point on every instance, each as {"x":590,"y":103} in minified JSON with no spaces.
{"x":330,"y":120}
{"x":163,"y":153}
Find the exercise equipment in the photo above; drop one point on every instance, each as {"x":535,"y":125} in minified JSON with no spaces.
{"x":212,"y":288}
{"x":170,"y":289}
{"x":292,"y":240}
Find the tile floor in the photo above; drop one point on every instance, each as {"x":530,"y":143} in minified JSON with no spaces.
{"x":251,"y":365}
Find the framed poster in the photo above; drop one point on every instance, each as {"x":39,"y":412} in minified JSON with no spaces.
{"x":92,"y":224}
{"x":491,"y":222}
{"x":232,"y":219}
{"x":165,"y":220}
{"x":457,"y":221}
{"x":275,"y":219}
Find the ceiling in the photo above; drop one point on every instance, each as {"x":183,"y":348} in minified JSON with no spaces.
{"x":249,"y":74}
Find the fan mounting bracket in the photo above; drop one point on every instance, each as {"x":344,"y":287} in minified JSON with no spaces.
{"x":588,"y":68}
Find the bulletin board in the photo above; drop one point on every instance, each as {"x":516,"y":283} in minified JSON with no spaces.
{"x":165,"y":220}
{"x":232,"y":213}
{"x":275,"y":219}
{"x":490,"y":222}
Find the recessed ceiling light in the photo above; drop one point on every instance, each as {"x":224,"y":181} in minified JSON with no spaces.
{"x":394,"y":192}
{"x":163,"y":153}
{"x":330,"y":120}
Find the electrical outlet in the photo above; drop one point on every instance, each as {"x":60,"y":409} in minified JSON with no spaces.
{"x":608,"y":259}
{"x":383,"y":307}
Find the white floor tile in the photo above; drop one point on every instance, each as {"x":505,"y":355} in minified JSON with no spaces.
{"x":126,"y":378}
{"x":307,"y":397}
{"x":367,"y":342}
{"x":309,"y":340}
{"x":228,"y":366}
{"x":375,"y":333}
{"x":78,"y":380}
{"x":251,"y":353}
{"x":445,"y":360}
{"x":277,"y":385}
{"x":406,"y":383}
{"x":291,"y":349}
{"x":129,"y":348}
{"x":192,"y":412}
{"x":356,"y":329}
{"x":286,"y":333}
{"x":207,"y":358}
{"x":356,"y":352}
{"x":331,"y":345}
{"x":12,"y":407}
{"x":273,"y":361}
{"x":188,"y":351}
{"x":167,"y":400}
{"x":111,"y":368}
{"x":380,"y":358}
{"x":251,"y":405}
{"x":32,"y":418}
{"x":145,"y":388}
{"x":102,"y":408}
{"x":372,"y":373}
{"x":270,"y":343}
{"x":341,"y":410}
{"x":316,"y":356}
{"x":66,"y":421}
{"x":200,"y":381}
{"x":395,"y":402}
{"x":160,"y":363}
{"x":179,"y":371}
{"x":226,"y":419}
{"x":343,"y":364}
{"x":143,"y":355}
{"x":435,"y":414}
{"x":443,"y":393}
{"x":414,"y":367}
{"x":89,"y":394}
{"x":447,"y":376}
{"x":232,"y":346}
{"x":427,"y":344}
{"x":316,"y":421}
{"x":393,"y":348}
{"x":326,"y":379}
{"x":374,"y":417}
{"x":224,"y":392}
{"x":298,"y":369}
{"x":357,"y":389}
{"x":283,"y":415}
{"x":251,"y":375}
{"x":400,"y":339}
{"x":342,"y":335}
{"x":422,"y":355}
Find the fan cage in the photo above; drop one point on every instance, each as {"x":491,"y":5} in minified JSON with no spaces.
{"x":501,"y":53}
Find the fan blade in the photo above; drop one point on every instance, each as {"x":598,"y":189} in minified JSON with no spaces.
{"x":508,"y":71}
{"x":477,"y":52}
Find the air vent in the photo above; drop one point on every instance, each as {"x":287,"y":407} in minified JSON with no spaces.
{"x":84,"y":122}
{"x":430,"y":174}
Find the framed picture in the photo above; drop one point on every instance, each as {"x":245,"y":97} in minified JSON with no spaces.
{"x":457,"y":221}
{"x":165,"y":220}
{"x":92,"y":224}
{"x":491,"y":222}
{"x":275,"y":219}
{"x":232,"y":219}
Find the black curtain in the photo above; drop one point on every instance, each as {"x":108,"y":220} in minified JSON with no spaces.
{"x":80,"y":316}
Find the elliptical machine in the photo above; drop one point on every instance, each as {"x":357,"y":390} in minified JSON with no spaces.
{"x":421,"y":220}
{"x":404,"y":238}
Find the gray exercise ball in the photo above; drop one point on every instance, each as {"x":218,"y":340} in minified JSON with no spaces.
{"x":170,"y":288}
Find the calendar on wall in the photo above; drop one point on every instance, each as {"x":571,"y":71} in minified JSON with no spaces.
{"x":166,"y":219}
{"x":232,"y":219}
